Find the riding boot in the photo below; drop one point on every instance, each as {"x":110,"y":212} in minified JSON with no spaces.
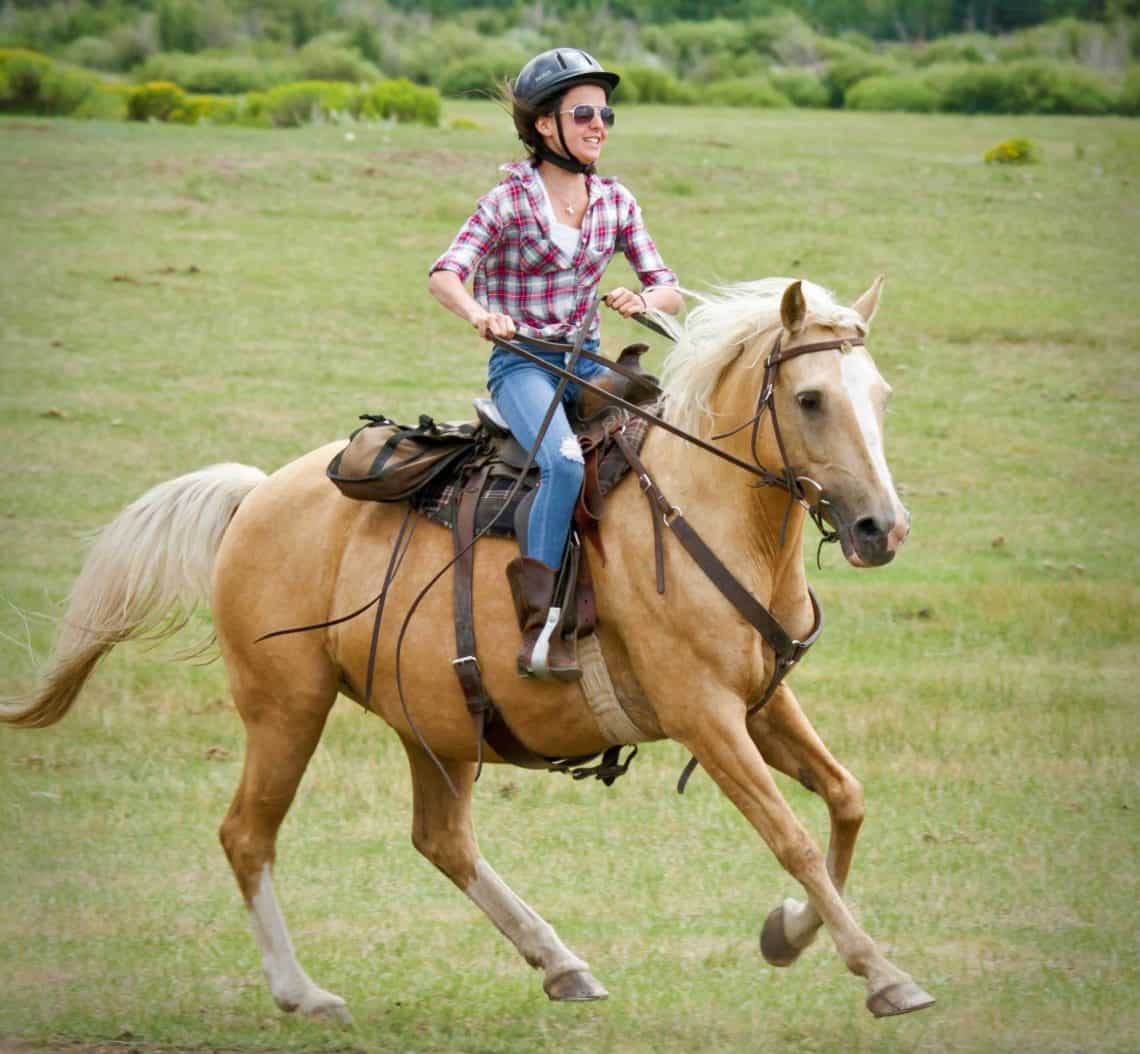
{"x":543,"y":653}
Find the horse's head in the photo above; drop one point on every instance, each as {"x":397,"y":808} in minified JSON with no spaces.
{"x":829,"y":407}
{"x":778,"y":371}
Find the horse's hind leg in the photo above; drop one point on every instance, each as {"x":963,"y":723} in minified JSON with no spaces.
{"x":283,"y":724}
{"x":790,"y":744}
{"x":442,"y":832}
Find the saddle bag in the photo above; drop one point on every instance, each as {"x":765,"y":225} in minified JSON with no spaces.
{"x":386,"y":461}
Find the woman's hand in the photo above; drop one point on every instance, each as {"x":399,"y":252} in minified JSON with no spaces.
{"x":625,"y":302}
{"x":493,"y":326}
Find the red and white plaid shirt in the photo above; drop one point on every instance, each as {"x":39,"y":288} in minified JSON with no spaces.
{"x":519,"y":271}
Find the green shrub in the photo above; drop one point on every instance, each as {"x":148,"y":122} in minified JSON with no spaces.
{"x":156,"y":101}
{"x":212,"y":109}
{"x":1040,"y":86}
{"x":91,"y":52}
{"x":32,"y":83}
{"x":969,"y":89}
{"x":1030,"y":86}
{"x":303,"y":102}
{"x":969,"y":47}
{"x":216,"y":74}
{"x":900,"y":93}
{"x":1128,"y":101}
{"x":841,"y":76}
{"x":24,"y":73}
{"x":650,"y":84}
{"x":480,"y":74}
{"x":744,"y":91}
{"x":1013,"y":152}
{"x":801,"y":87}
{"x":400,"y":100}
{"x":323,"y":62}
{"x":104,"y":103}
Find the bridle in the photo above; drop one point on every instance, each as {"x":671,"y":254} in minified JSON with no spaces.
{"x":787,"y":477}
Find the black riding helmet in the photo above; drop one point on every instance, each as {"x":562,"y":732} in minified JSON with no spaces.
{"x":546,"y":78}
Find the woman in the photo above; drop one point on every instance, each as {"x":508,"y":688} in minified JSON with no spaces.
{"x":537,"y":245}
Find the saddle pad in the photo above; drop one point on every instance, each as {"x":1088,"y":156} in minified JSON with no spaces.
{"x":439,"y":499}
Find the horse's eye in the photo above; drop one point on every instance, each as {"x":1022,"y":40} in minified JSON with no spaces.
{"x":810,"y":401}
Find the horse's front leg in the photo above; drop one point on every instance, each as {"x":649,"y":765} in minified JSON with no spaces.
{"x":791,"y":745}
{"x":719,"y":739}
{"x":442,"y":832}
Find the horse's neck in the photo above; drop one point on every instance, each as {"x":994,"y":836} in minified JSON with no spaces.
{"x":743,"y":524}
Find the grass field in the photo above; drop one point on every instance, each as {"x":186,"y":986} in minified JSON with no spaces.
{"x":175,"y":296}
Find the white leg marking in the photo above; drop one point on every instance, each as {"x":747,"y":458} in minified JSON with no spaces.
{"x":291,"y":987}
{"x":801,"y":923}
{"x":521,"y":925}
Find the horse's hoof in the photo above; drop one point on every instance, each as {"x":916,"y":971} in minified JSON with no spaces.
{"x":324,"y":1006}
{"x":774,"y":944}
{"x":902,"y":997}
{"x":577,"y":986}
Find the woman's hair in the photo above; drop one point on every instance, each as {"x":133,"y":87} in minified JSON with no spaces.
{"x":524,"y":114}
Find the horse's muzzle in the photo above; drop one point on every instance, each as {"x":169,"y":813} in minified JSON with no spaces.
{"x":872,"y":541}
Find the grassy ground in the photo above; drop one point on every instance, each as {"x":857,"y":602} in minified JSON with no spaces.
{"x":173,"y":297}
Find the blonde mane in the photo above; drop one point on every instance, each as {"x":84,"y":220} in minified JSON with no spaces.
{"x":716,"y":331}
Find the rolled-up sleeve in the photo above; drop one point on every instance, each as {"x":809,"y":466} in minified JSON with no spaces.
{"x":639,"y":249}
{"x":475,"y":239}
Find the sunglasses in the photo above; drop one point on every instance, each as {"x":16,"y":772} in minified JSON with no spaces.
{"x":584,"y":114}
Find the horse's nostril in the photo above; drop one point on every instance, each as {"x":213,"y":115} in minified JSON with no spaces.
{"x":868,"y":529}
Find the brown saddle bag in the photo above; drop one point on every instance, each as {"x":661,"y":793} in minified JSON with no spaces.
{"x":386,"y":461}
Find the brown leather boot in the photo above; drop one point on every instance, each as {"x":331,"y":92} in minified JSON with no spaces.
{"x":543,"y":653}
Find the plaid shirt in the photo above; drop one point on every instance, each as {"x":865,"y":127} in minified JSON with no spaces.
{"x":520,"y":272}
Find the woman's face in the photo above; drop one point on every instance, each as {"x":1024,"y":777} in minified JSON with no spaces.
{"x":584,"y":140}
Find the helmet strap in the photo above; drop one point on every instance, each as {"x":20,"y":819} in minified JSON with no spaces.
{"x":568,"y":161}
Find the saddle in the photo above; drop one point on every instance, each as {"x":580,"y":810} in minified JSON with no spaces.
{"x":469,"y":478}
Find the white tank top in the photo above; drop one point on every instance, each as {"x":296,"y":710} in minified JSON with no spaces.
{"x":563,"y":235}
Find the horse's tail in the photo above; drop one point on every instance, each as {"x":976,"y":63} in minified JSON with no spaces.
{"x":145,"y":574}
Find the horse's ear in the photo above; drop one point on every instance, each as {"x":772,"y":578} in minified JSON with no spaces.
{"x":793,"y":308}
{"x":868,"y":303}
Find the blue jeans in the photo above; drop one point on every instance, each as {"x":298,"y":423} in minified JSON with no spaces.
{"x":522,"y":391}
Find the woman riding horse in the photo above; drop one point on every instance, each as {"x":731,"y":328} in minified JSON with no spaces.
{"x":537,"y":246}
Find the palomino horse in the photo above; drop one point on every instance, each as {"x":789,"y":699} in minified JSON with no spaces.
{"x":289,"y":550}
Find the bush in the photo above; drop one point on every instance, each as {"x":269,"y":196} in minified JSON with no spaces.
{"x":303,"y":102}
{"x":92,"y":52}
{"x":970,"y":47}
{"x":1013,"y":152}
{"x":801,"y":87}
{"x":24,"y":72}
{"x":32,"y":83}
{"x":398,"y":99}
{"x":841,"y":76}
{"x":756,"y":92}
{"x":216,"y":74}
{"x":969,"y":89}
{"x":1032,"y":86}
{"x":479,"y":75}
{"x":323,"y":62}
{"x":900,"y":94}
{"x":157,"y":101}
{"x":1039,"y":86}
{"x":650,"y":84}
{"x":1128,"y":101}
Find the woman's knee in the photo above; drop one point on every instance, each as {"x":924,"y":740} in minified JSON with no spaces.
{"x":562,"y":462}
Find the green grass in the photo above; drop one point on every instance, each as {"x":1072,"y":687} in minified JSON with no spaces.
{"x":173,"y":297}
